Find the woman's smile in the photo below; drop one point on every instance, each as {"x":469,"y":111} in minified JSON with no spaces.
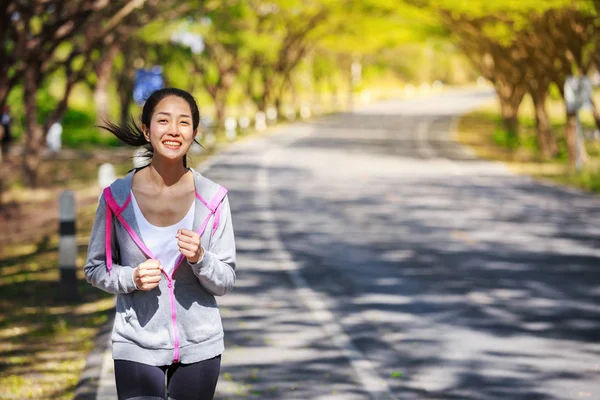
{"x":172,"y":144}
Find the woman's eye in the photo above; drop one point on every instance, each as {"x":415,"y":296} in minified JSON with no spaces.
{"x":185,"y":122}
{"x":162,"y":120}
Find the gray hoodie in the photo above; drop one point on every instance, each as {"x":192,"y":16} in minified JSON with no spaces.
{"x":178,"y":321}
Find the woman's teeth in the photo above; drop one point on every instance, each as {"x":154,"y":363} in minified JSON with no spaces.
{"x":172,"y":144}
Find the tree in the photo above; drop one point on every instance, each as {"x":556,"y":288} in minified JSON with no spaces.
{"x":49,"y":37}
{"x":284,"y":32}
{"x":38,"y":35}
{"x":226,"y":37}
{"x":523,"y":48}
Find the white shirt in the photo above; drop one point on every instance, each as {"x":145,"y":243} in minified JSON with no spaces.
{"x":161,"y":240}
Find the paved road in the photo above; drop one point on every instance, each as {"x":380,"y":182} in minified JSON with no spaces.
{"x":380,"y":260}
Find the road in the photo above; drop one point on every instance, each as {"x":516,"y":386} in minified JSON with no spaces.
{"x":378,"y":259}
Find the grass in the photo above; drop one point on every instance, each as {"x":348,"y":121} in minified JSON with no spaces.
{"x":45,"y":340}
{"x":482,"y":131}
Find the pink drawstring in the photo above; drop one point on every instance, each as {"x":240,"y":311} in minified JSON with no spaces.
{"x":108,"y":239}
{"x":217,"y":220}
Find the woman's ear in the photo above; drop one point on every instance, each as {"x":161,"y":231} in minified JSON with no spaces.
{"x":146,"y":132}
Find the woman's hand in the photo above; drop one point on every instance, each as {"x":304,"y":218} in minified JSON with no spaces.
{"x":189,"y":245}
{"x":147,"y":275}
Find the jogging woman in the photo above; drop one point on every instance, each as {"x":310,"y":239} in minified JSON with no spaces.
{"x":163,"y":242}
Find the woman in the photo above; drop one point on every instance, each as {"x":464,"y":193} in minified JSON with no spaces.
{"x":163,"y":242}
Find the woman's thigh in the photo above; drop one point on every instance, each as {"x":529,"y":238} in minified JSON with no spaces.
{"x":139,"y":381}
{"x":196,"y":381}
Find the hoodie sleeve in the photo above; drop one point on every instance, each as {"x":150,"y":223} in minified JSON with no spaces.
{"x":120,"y":278}
{"x":216,"y":270}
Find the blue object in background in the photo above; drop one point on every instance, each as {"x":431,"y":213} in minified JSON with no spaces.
{"x":146,"y":82}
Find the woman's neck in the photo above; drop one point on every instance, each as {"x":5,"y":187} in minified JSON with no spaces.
{"x":166,"y":174}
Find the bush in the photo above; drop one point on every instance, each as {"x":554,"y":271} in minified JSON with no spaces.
{"x":80,"y":132}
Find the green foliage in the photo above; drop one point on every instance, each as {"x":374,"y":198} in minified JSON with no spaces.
{"x":480,"y":8}
{"x":503,"y":138}
{"x":554,"y":92}
{"x":588,"y":179}
{"x":79,"y":132}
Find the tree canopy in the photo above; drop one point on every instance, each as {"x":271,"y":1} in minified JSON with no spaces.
{"x":266,"y":50}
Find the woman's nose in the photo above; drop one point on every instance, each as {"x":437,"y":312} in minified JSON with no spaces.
{"x":173,"y":130}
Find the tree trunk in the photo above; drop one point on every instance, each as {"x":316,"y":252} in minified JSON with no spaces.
{"x":125,"y":98}
{"x":278,"y":105}
{"x":1,"y":155}
{"x":34,"y":143}
{"x":264,"y":97}
{"x":278,"y":100}
{"x":267,"y":89}
{"x":546,"y":141}
{"x":104,"y":72}
{"x":510,"y":118}
{"x":220,"y":106}
{"x":571,"y":138}
{"x":125,"y":91}
{"x":596,"y":113}
{"x":510,"y":98}
{"x":260,"y":103}
{"x":4,"y":91}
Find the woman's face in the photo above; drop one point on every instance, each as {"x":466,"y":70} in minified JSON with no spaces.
{"x":171,"y":130}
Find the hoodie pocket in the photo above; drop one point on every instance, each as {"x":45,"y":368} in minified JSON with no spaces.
{"x":144,"y":320}
{"x":198,"y":317}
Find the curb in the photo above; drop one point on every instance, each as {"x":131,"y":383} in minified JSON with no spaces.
{"x":89,"y":380}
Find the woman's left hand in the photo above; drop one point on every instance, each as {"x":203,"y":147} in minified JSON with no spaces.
{"x":189,"y":245}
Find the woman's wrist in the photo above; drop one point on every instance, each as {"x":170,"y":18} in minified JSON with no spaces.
{"x":134,"y":277}
{"x":198,"y":258}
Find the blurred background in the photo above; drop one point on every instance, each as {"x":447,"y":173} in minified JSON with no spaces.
{"x":68,"y":65}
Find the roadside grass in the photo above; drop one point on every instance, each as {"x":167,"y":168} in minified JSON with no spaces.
{"x":482,"y":131}
{"x":44,"y":340}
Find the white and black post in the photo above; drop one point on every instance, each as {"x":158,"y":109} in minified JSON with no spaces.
{"x":578,"y":95}
{"x":67,"y":247}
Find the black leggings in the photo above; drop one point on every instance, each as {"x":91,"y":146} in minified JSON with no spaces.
{"x":184,"y":381}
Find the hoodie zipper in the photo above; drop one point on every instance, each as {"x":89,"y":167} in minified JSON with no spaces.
{"x":174,"y":309}
{"x":173,"y":318}
{"x":172,"y":296}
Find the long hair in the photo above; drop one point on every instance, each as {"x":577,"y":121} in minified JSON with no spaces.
{"x":132,"y":134}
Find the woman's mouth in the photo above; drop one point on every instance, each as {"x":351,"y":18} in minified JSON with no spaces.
{"x":171,"y":144}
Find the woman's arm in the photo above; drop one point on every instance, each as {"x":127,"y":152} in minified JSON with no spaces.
{"x":216,"y":269}
{"x":120,"y":278}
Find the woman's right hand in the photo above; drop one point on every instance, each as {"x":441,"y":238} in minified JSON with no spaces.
{"x":147,"y":275}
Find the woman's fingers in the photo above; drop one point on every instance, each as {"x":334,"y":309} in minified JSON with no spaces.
{"x":187,"y":246}
{"x":187,"y":232}
{"x":148,"y":274}
{"x":192,"y":237}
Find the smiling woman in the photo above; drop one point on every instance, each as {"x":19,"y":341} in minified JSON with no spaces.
{"x":163,"y":242}
{"x":168,"y":110}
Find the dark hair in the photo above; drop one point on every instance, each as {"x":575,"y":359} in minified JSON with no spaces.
{"x":130,"y":133}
